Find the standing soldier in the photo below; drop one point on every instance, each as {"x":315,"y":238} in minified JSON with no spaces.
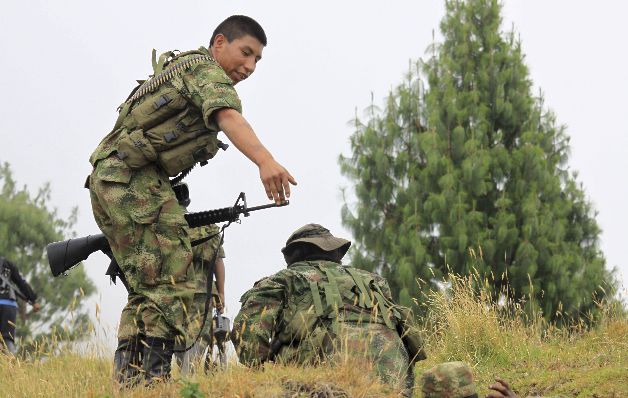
{"x":168,"y":124}
{"x":317,"y":307}
{"x":12,"y":286}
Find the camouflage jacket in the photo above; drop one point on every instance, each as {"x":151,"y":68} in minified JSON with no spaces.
{"x":292,"y":312}
{"x":202,"y":87}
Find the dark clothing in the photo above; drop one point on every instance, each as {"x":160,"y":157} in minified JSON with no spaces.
{"x":12,"y":279}
{"x":8,"y":315}
{"x":12,"y":285}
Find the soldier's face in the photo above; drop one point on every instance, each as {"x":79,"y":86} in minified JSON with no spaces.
{"x":239,"y":57}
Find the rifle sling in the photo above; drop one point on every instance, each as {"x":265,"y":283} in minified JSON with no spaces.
{"x":208,"y":286}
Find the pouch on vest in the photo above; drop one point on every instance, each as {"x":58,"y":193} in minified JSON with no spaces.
{"x":180,"y":157}
{"x":176,"y":130}
{"x":136,"y":150}
{"x":410,"y":335}
{"x":157,"y":107}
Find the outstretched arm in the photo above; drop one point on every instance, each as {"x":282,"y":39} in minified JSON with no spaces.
{"x":274,"y":176}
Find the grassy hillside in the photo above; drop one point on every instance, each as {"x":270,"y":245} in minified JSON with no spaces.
{"x":538,"y":359}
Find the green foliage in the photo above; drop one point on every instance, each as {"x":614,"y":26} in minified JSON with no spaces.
{"x":27,"y":225}
{"x":471,"y":173}
{"x":190,"y":390}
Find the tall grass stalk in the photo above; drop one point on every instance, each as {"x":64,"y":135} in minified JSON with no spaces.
{"x":463,"y":322}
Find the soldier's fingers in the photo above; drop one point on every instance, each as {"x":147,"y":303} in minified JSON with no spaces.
{"x":279,"y":186}
{"x":500,"y":388}
{"x":286,"y":181}
{"x":502,"y":381}
{"x":269,"y":193}
{"x":275,"y":192}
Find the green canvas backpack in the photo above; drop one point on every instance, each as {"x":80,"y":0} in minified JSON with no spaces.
{"x":343,"y":294}
{"x":159,"y":125}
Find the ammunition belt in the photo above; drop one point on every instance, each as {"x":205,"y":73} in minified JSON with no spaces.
{"x":154,"y":82}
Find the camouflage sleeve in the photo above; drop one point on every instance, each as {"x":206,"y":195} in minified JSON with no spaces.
{"x":211,"y":89}
{"x":254,"y":326}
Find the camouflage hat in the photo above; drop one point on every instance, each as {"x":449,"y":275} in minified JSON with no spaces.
{"x":319,"y":236}
{"x":448,"y":380}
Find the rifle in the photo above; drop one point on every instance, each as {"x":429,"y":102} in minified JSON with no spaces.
{"x":64,"y":255}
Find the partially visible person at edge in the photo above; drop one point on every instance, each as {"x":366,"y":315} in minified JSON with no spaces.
{"x":203,"y":255}
{"x":455,"y":380}
{"x":317,"y":307}
{"x":168,"y":124}
{"x":12,"y":286}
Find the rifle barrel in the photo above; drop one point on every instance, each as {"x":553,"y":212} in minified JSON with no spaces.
{"x":284,"y":203}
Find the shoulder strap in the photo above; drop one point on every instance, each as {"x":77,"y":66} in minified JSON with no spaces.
{"x":366,"y":298}
{"x":157,"y":80}
{"x":316,"y":298}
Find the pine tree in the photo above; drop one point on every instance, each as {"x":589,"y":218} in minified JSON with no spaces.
{"x":27,"y":225}
{"x":470,"y":175}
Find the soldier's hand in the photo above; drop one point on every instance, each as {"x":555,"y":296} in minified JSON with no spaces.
{"x":501,"y":389}
{"x":36,"y":307}
{"x":276,"y":180}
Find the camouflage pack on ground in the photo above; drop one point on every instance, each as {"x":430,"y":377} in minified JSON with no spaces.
{"x":448,"y":380}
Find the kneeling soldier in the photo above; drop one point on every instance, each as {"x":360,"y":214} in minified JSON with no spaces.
{"x":317,"y":307}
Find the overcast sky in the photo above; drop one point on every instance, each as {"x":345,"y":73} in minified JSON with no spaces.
{"x":67,"y":65}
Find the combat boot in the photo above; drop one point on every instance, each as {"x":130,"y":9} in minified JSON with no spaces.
{"x":156,"y":359}
{"x":128,"y":362}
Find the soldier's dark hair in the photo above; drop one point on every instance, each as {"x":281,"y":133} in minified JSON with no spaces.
{"x":237,"y":26}
{"x":303,"y":251}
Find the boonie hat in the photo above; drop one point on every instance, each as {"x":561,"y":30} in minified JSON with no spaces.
{"x":319,"y":236}
{"x":448,"y":380}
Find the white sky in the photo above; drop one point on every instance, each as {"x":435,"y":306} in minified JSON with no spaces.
{"x":66,"y":65}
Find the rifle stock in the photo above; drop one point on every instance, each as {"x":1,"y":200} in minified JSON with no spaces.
{"x":66,"y":254}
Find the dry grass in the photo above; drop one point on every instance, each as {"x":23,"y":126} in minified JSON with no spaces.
{"x":70,"y":375}
{"x":538,"y":359}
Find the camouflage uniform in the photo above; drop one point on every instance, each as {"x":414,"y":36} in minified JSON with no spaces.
{"x":448,"y":380}
{"x":203,"y":255}
{"x":135,"y":206}
{"x":312,"y":310}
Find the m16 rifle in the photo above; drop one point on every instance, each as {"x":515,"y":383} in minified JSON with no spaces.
{"x":64,"y":255}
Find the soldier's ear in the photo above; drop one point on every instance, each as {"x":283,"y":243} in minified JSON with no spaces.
{"x":219,"y":41}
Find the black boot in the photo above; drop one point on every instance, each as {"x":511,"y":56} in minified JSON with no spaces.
{"x":127,"y":362}
{"x":157,"y":355}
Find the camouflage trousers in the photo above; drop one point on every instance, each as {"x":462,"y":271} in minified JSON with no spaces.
{"x":139,"y":214}
{"x":371,"y":343}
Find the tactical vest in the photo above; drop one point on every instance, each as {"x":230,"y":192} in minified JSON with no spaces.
{"x":345,"y":294}
{"x":159,"y":124}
